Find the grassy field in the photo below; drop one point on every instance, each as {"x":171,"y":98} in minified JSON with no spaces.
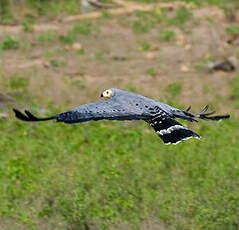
{"x":117,"y":175}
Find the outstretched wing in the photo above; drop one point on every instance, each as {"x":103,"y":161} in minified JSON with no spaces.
{"x":106,"y":109}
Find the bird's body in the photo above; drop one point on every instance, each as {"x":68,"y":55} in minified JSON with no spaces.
{"x":123,"y":105}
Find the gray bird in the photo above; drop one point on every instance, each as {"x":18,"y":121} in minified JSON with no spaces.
{"x":123,"y":105}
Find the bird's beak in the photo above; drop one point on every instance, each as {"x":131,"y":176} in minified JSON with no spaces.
{"x":101,"y":95}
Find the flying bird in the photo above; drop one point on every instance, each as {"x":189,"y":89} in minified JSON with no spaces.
{"x":123,"y":105}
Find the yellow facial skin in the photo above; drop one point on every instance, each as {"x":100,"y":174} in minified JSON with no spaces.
{"x":107,"y":93}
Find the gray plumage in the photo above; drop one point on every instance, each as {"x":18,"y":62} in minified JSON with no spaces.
{"x":123,"y":105}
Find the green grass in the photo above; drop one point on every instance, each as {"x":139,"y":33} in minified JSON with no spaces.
{"x":36,"y":8}
{"x":27,"y":25}
{"x":140,"y":27}
{"x":51,"y":8}
{"x":56,"y":63}
{"x":145,"y":46}
{"x":15,"y":83}
{"x":234,"y":85}
{"x":110,"y":174}
{"x":114,"y":175}
{"x":151,"y":72}
{"x":131,"y":87}
{"x":5,"y":12}
{"x":173,"y":91}
{"x":230,"y":12}
{"x":234,"y":30}
{"x":85,"y":28}
{"x":70,"y":37}
{"x":10,"y":42}
{"x":80,"y":52}
{"x":48,"y":36}
{"x":146,"y":21}
{"x":181,"y":16}
{"x":166,"y":35}
{"x":107,"y":14}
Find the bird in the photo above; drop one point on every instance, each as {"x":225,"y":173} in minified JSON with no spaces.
{"x":123,"y":105}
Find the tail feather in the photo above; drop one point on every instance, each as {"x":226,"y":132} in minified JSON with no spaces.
{"x":169,"y":130}
{"x":29,"y":116}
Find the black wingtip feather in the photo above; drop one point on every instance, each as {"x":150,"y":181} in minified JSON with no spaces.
{"x":29,"y":116}
{"x":204,"y":109}
{"x":215,"y":118}
{"x":189,"y":107}
{"x":20,"y":115}
{"x":205,"y":116}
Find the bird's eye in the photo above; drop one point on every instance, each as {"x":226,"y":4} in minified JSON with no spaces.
{"x":106,"y":93}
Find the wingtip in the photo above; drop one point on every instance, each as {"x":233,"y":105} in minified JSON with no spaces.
{"x":29,"y":116}
{"x":227,"y":116}
{"x":219,"y":118}
{"x":20,"y":115}
{"x":15,"y":110}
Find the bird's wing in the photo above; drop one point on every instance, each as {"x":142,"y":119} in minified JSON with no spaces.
{"x":107,"y":109}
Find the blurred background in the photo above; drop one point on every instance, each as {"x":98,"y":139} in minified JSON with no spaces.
{"x":58,"y":54}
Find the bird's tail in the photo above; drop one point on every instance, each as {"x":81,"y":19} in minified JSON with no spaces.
{"x":170,"y":131}
{"x":186,"y":115}
{"x":30,"y":117}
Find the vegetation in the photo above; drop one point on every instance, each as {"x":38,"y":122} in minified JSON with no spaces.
{"x":27,"y":25}
{"x":112,"y":175}
{"x":86,"y":27}
{"x":100,"y":175}
{"x":166,"y":35}
{"x":145,"y":21}
{"x":49,"y":36}
{"x":106,"y":175}
{"x":33,"y":8}
{"x":234,"y":30}
{"x":181,"y":16}
{"x":151,"y":72}
{"x":145,"y":46}
{"x":56,"y":63}
{"x":173,"y":91}
{"x":235,"y":88}
{"x":10,"y":42}
{"x":55,"y":8}
{"x":16,"y":83}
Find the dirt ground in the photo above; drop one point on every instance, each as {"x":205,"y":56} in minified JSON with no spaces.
{"x":113,"y":58}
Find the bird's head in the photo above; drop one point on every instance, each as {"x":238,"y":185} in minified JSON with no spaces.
{"x":107,"y":93}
